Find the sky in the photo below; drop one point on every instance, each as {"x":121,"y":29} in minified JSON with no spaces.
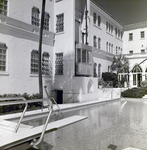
{"x":125,"y":11}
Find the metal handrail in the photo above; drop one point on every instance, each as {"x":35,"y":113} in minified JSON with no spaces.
{"x":20,"y":102}
{"x":26,"y":103}
{"x":35,"y":143}
{"x":23,"y":113}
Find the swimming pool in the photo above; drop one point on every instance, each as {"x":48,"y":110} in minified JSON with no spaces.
{"x":117,"y":122}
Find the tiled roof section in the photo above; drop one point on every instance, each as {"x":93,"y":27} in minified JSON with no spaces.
{"x":135,"y":26}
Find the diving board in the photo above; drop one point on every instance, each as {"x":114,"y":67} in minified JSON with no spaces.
{"x":28,"y":135}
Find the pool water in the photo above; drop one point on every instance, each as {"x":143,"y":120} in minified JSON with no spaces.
{"x":123,"y":124}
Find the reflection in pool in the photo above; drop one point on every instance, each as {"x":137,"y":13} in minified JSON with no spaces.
{"x":123,"y":124}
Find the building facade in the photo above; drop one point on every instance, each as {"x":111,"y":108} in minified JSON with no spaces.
{"x":135,"y":49}
{"x":79,"y":41}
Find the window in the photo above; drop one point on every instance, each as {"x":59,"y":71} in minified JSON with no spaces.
{"x":94,"y":70}
{"x":59,"y":64}
{"x":83,"y":56}
{"x":3,"y":49}
{"x":94,"y":42}
{"x":142,"y":34}
{"x":107,"y":25}
{"x":99,"y":71}
{"x":99,"y":21}
{"x":99,"y":43}
{"x":34,"y":62}
{"x":46,"y":21}
{"x":94,"y":18}
{"x":35,"y":16}
{"x":107,"y":46}
{"x":46,"y":64}
{"x":116,"y":51}
{"x":134,"y":79}
{"x":112,"y":48}
{"x":60,"y":23}
{"x":116,"y":32}
{"x":130,"y":36}
{"x":131,"y":51}
{"x":3,"y":7}
{"x":111,"y":28}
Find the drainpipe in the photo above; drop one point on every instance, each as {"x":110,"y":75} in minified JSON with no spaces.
{"x":86,"y":12}
{"x":40,"y":50}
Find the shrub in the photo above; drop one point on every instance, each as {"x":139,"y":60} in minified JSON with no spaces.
{"x":108,"y":76}
{"x":19,"y":108}
{"x":134,"y":92}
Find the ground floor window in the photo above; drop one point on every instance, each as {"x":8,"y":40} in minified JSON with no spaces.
{"x":134,"y":79}
{"x":59,"y":64}
{"x":3,"y":49}
{"x":46,"y":63}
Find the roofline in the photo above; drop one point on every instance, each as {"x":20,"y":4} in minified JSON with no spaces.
{"x":106,"y":12}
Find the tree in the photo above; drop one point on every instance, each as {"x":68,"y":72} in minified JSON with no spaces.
{"x":120,"y":64}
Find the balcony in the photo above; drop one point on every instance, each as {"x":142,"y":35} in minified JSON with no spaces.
{"x":83,"y":69}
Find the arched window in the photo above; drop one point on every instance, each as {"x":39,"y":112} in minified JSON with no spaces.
{"x":94,"y":70}
{"x":99,"y":21}
{"x":112,"y":48}
{"x":107,"y":46}
{"x":99,"y":71}
{"x":99,"y":43}
{"x":136,"y":69}
{"x":94,"y":41}
{"x":116,"y":51}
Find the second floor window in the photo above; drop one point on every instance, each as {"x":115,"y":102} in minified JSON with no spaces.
{"x":60,"y":23}
{"x":130,"y":36}
{"x":94,"y":18}
{"x":3,"y":7}
{"x":35,"y":16}
{"x":46,"y":21}
{"x":142,"y":34}
{"x":99,"y":43}
{"x":99,"y":21}
{"x":94,"y":42}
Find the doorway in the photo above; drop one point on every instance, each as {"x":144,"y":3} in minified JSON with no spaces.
{"x":59,"y":96}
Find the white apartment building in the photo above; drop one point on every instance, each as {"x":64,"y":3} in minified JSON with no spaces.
{"x":79,"y":42}
{"x":135,"y":49}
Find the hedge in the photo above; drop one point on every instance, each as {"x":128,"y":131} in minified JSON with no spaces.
{"x":19,"y":108}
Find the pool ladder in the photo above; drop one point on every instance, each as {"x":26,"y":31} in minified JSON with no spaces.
{"x":10,"y":101}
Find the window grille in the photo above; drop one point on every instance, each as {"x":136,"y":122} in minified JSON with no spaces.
{"x":60,"y":23}
{"x":34,"y":62}
{"x":59,"y":64}
{"x":3,"y":7}
{"x":142,"y":34}
{"x":46,"y":21}
{"x":46,"y":64}
{"x":35,"y":16}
